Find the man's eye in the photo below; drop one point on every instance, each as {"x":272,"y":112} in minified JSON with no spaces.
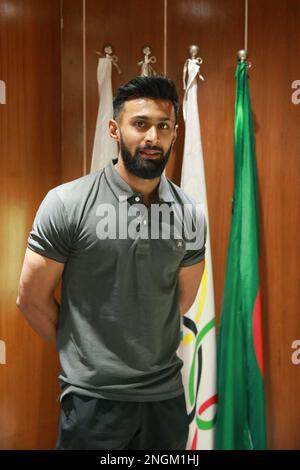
{"x":163,"y":125}
{"x":140,"y":124}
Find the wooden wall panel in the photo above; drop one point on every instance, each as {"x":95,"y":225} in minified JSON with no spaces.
{"x":274,"y":42}
{"x":30,"y":164}
{"x":72,"y":90}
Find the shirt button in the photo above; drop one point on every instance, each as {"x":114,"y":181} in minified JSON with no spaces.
{"x":137,"y":199}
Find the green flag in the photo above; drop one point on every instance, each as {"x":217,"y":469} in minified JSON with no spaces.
{"x":241,"y":414}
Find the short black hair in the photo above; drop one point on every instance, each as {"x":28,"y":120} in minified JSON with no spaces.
{"x":157,"y":87}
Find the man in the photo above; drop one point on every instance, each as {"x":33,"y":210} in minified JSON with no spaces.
{"x":117,"y":328}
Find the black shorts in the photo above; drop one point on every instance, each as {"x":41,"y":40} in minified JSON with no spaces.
{"x":97,"y":423}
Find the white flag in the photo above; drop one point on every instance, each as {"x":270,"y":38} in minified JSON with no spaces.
{"x":105,"y":148}
{"x":198,"y":342}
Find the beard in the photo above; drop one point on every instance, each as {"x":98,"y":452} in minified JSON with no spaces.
{"x":143,"y":167}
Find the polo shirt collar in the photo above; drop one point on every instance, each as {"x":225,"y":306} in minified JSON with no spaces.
{"x":121,"y":188}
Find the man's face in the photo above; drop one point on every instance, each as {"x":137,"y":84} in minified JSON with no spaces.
{"x":147,"y":133}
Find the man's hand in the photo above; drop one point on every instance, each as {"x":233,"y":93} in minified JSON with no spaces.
{"x":189,"y":281}
{"x":39,"y":278}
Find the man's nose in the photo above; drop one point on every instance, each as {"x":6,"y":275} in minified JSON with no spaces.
{"x":151,"y":136}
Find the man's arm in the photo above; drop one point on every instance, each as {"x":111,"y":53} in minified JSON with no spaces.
{"x":39,"y":278}
{"x":189,"y":281}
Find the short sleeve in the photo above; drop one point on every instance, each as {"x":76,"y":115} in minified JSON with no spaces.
{"x":50,"y":235}
{"x":195,"y":237}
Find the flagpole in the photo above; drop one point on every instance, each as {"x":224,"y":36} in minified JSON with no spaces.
{"x":246,"y":26}
{"x":242,"y":54}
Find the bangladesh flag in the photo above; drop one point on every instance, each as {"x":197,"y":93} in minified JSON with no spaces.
{"x":241,"y":409}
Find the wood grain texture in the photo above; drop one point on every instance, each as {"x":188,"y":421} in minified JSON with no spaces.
{"x":72,"y":90}
{"x":273,"y":42}
{"x":30,"y":164}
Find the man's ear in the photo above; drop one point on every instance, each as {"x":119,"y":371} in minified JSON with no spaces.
{"x":175,"y":134}
{"x":114,"y":131}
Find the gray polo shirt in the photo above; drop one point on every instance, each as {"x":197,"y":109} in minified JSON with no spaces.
{"x":119,"y":321}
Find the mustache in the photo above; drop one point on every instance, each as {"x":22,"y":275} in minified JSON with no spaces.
{"x":158,"y":149}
